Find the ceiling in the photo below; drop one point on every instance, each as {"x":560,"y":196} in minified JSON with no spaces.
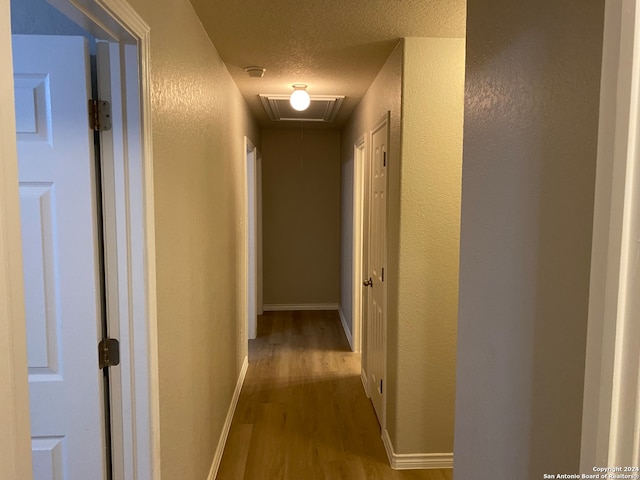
{"x":336,"y":47}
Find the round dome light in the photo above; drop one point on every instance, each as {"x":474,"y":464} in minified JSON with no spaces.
{"x":300,"y":99}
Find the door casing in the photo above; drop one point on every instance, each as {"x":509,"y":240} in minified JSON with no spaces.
{"x":360,"y":224}
{"x":611,"y":408}
{"x":253,"y":251}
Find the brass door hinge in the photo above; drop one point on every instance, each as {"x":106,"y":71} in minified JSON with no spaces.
{"x":99,"y":115}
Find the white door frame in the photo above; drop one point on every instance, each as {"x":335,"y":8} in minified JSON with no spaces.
{"x":253,"y":207}
{"x":359,"y":159}
{"x":611,"y":391}
{"x":260,"y":263}
{"x":117,"y":21}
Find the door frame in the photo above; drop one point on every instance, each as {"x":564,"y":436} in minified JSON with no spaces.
{"x":608,"y":366}
{"x":117,"y":21}
{"x":259,"y":259}
{"x":359,"y":218}
{"x":253,"y":232}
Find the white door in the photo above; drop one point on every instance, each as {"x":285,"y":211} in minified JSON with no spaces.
{"x":59,"y":241}
{"x":376,"y":310}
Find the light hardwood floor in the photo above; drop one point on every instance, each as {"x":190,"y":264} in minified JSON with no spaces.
{"x":303,"y":413}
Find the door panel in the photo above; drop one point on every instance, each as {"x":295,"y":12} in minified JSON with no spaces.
{"x":376,"y":311}
{"x":59,"y":240}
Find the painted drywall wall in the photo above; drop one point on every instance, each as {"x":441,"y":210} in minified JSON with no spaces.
{"x":199,"y":121}
{"x":422,"y":84}
{"x":531,"y":126}
{"x":15,"y":442}
{"x":427,"y":285}
{"x":301,"y":215}
{"x":38,"y":17}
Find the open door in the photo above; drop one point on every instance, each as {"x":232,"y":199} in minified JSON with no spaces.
{"x":60,"y":254}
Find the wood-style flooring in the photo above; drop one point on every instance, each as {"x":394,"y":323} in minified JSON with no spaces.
{"x":302,"y":412}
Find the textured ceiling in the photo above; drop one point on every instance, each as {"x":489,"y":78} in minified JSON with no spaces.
{"x":336,"y":47}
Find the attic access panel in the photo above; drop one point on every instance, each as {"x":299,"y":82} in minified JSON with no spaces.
{"x":323,"y":108}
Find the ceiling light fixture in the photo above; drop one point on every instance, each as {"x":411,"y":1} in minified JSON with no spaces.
{"x":300,"y":99}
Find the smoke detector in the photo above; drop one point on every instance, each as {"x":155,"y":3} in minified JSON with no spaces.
{"x":255,"y":72}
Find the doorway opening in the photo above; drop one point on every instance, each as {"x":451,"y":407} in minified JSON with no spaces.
{"x":253,"y":254}
{"x":360,"y":243}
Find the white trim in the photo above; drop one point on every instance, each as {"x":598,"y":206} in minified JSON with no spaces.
{"x":153,"y":400}
{"x":143,"y":392}
{"x":359,"y":191}
{"x":15,"y":441}
{"x":300,"y":306}
{"x":250,"y":237}
{"x":415,"y":461}
{"x":345,"y":327}
{"x":217,"y":458}
{"x":611,"y":409}
{"x":259,"y":234}
{"x":113,"y":159}
{"x":365,"y":382}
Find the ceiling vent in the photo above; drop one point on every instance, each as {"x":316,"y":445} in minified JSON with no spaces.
{"x":323,"y":108}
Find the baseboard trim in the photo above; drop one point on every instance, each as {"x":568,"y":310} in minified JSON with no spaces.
{"x":415,"y":461}
{"x":217,"y":458}
{"x":347,"y":333}
{"x":365,"y":382}
{"x":300,"y":306}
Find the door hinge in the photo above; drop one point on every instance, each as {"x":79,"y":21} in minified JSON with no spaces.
{"x":108,"y":353}
{"x":383,"y":274}
{"x":99,"y":115}
{"x":380,"y":386}
{"x":384,"y":159}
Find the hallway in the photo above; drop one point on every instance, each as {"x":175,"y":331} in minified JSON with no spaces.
{"x":303,"y":413}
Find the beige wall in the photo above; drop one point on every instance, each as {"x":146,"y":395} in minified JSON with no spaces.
{"x":422,"y":84}
{"x":15,"y":441}
{"x":199,"y":121}
{"x":301,"y":215}
{"x":430,"y":183}
{"x":531,"y":126}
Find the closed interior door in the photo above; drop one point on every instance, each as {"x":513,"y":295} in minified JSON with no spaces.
{"x":376,"y":310}
{"x":60,"y":256}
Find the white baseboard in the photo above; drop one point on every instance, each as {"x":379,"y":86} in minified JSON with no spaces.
{"x":217,"y":458}
{"x":347,"y":333}
{"x":415,"y":461}
{"x":300,"y":306}
{"x":365,"y":382}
